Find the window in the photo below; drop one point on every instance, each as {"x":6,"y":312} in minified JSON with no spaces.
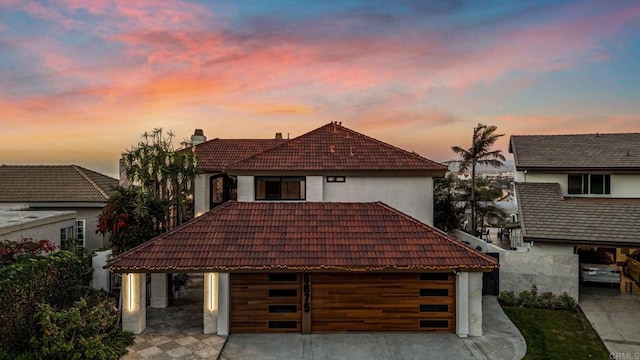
{"x":584,"y":184}
{"x":434,"y":323}
{"x":66,"y":233}
{"x":283,"y":277}
{"x":434,"y":308}
{"x":283,"y":324}
{"x":283,"y":293}
{"x":434,"y":292}
{"x":282,"y":309}
{"x":280,"y":188}
{"x":434,"y":276}
{"x":336,"y":179}
{"x":80,"y":231}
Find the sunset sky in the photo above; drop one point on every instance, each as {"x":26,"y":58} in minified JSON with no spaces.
{"x":80,"y":80}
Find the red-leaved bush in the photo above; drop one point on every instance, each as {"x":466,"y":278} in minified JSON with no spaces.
{"x":10,"y":251}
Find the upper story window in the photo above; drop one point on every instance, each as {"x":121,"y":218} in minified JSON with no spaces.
{"x":280,"y":188}
{"x":585,"y":184}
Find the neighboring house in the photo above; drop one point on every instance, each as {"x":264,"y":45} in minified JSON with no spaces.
{"x":16,"y":225}
{"x":576,"y":191}
{"x":59,"y":188}
{"x":331,"y":231}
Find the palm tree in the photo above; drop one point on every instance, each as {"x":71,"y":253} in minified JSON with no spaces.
{"x":480,"y":152}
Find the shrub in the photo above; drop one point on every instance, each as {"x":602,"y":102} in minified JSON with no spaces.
{"x":57,"y":279}
{"x":508,"y":298}
{"x":87,"y":330}
{"x":567,"y":302}
{"x":12,"y":251}
{"x":547,"y":301}
{"x":531,"y":299}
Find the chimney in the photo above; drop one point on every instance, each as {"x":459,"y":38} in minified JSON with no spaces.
{"x":278,"y":136}
{"x":198,"y":137}
{"x":124,"y":179}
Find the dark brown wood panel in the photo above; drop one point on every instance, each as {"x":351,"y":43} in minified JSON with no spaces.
{"x":382,"y":302}
{"x":251,"y":301}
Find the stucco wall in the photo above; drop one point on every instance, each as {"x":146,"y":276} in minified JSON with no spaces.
{"x":246,"y":188}
{"x":550,"y":249}
{"x":315,"y":188}
{"x":92,"y":240}
{"x":622,"y":185}
{"x":625,"y":186}
{"x":411,"y":195}
{"x":41,"y":231}
{"x":554,"y":273}
{"x":90,"y":215}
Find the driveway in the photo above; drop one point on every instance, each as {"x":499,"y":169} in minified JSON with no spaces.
{"x":501,"y":340}
{"x":616,"y":318}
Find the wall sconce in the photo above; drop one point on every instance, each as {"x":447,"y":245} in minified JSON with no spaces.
{"x":130,"y":281}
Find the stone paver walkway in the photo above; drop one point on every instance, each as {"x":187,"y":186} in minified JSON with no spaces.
{"x":176,"y":332}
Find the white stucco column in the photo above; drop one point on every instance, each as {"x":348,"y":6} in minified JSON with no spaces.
{"x":159,"y":291}
{"x":475,"y":304}
{"x":224,"y":304}
{"x":462,"y":304}
{"x":210,"y":304}
{"x":134,"y":305}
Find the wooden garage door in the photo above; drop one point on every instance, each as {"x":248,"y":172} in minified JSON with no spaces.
{"x":262,"y":303}
{"x":382,"y":302}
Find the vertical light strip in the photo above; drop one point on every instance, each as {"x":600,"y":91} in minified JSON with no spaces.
{"x":211,"y":291}
{"x":130,"y":277}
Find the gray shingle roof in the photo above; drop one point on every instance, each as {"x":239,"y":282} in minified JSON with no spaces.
{"x":606,"y":151}
{"x":545,"y":215}
{"x":53,"y":183}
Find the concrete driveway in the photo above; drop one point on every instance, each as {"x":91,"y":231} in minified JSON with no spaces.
{"x":616,"y":318}
{"x":501,"y":340}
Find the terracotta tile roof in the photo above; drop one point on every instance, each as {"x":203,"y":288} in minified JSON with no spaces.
{"x":590,"y":151}
{"x":306,"y":236}
{"x":545,"y":215}
{"x":215,"y":154}
{"x":53,"y":183}
{"x":334,"y":147}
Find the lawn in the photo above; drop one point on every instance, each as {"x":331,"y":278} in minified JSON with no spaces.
{"x":555,"y":334}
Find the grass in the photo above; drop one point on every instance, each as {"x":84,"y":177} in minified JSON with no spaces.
{"x":555,"y":334}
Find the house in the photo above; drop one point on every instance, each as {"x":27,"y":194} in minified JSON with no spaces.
{"x":330,"y":231}
{"x":59,"y":188}
{"x":575,"y":191}
{"x":16,"y":225}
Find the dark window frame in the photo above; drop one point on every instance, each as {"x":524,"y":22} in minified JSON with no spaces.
{"x":302,"y":187}
{"x":338,"y":179}
{"x":587,"y":187}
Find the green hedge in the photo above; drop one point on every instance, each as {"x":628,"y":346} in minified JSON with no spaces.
{"x":58,"y":280}
{"x":532,"y":299}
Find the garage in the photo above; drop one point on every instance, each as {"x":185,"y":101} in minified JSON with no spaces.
{"x":263,"y":303}
{"x":341,"y":302}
